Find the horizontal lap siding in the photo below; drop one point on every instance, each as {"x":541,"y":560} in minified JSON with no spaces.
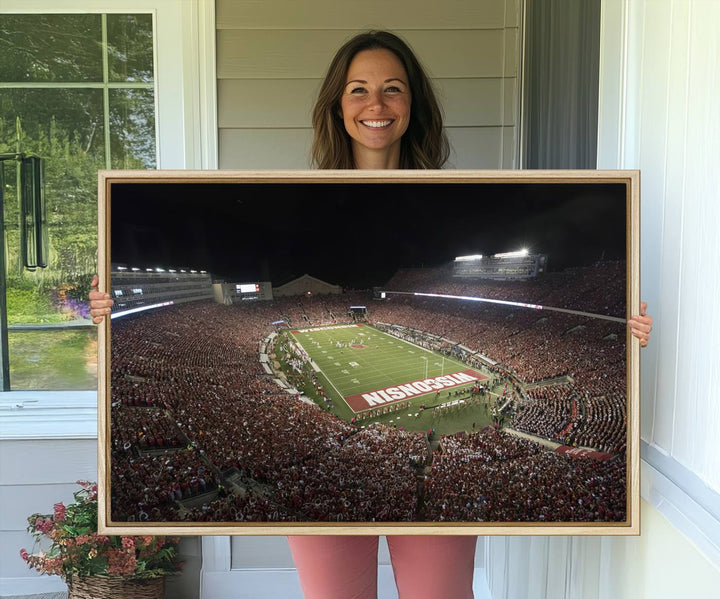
{"x":352,"y":14}
{"x":271,"y":59}
{"x":307,"y":53}
{"x":34,"y":475}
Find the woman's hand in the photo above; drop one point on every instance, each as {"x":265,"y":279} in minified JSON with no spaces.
{"x":100,"y":303}
{"x":641,"y":325}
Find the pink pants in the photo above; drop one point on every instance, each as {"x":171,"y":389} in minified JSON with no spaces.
{"x":345,"y":567}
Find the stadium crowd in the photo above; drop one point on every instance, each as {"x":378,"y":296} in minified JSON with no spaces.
{"x":599,"y":289}
{"x":190,"y":401}
{"x":494,"y":476}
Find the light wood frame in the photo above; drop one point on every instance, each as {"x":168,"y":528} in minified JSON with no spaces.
{"x":629,"y":178}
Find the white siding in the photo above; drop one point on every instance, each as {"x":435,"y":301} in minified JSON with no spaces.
{"x":271,"y":59}
{"x":34,"y":475}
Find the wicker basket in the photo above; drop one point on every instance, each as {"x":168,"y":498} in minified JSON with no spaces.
{"x":116,"y":587}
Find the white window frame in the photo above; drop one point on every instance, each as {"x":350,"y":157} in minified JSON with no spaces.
{"x":186,"y":130}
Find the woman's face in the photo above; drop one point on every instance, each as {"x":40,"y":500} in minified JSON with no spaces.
{"x":375,"y":103}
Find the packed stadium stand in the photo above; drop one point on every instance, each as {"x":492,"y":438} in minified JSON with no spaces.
{"x":133,"y":288}
{"x":200,"y":431}
{"x":523,"y":266}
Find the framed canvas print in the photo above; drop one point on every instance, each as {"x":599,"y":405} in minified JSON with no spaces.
{"x":369,"y":352}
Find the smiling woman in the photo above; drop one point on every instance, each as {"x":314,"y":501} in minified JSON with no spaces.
{"x":363,"y":109}
{"x":375,"y":108}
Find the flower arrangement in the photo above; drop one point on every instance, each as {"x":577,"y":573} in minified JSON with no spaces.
{"x":77,"y":551}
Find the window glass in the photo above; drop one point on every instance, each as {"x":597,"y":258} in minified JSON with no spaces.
{"x":56,"y":101}
{"x":54,"y":359}
{"x":129,"y":37}
{"x":132,"y":128}
{"x":37,"y":48}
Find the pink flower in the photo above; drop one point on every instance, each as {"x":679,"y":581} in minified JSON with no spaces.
{"x":128,"y":543}
{"x":121,"y":562}
{"x":59,"y":509}
{"x":24,"y":555}
{"x":44,"y":526}
{"x":53,"y":565}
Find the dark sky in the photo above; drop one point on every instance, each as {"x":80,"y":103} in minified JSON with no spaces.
{"x":358,"y":234}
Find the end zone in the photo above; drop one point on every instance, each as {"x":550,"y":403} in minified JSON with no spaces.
{"x":390,"y":395}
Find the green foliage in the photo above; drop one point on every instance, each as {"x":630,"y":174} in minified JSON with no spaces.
{"x":29,"y":304}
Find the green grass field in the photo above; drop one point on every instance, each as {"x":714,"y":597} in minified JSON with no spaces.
{"x":378,"y":361}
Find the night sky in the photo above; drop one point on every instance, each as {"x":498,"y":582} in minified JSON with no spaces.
{"x":358,"y":234}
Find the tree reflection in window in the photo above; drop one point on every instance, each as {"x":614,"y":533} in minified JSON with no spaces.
{"x":79,"y":91}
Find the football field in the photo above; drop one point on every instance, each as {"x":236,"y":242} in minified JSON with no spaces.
{"x":368,"y":369}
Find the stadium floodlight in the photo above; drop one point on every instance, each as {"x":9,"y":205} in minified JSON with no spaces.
{"x":135,"y":269}
{"x":203,"y":272}
{"x":194,"y":272}
{"x":468,"y":258}
{"x":158,"y":269}
{"x":122,"y":267}
{"x":182,"y":270}
{"x":148,"y":270}
{"x":115,"y":315}
{"x":172,"y":270}
{"x":516,"y":254}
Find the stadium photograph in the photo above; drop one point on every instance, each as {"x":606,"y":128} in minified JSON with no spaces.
{"x":360,"y":353}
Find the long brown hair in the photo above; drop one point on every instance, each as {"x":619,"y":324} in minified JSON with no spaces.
{"x":424,"y":144}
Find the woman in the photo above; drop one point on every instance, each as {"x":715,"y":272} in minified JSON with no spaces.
{"x":363,"y":117}
{"x":376,"y":109}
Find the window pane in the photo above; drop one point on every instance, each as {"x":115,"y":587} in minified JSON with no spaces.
{"x":65,"y":127}
{"x":53,"y":121}
{"x":130,"y":47}
{"x":51,"y":344}
{"x":132,"y":128}
{"x":54,"y":359}
{"x":50,"y":48}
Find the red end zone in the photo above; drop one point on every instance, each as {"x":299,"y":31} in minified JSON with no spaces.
{"x":390,"y":395}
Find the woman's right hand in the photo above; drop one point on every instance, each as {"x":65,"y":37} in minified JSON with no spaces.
{"x":100,"y":303}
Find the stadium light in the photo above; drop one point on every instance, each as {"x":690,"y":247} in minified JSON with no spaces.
{"x":158,"y":269}
{"x":115,"y":315}
{"x":516,"y":254}
{"x":122,"y":267}
{"x":135,"y":269}
{"x":468,"y":258}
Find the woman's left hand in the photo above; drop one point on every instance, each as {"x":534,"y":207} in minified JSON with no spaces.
{"x":641,"y":325}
